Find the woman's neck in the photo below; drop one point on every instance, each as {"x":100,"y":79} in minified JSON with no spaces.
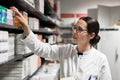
{"x":82,"y":48}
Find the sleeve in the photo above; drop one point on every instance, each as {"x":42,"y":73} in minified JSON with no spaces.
{"x":42,"y":49}
{"x":105,"y":73}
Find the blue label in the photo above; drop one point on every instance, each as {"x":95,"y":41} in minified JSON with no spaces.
{"x":0,"y":17}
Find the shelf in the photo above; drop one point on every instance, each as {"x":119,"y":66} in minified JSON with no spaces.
{"x":13,"y":29}
{"x":109,"y":29}
{"x":45,"y":21}
{"x":26,"y":78}
{"x":17,"y":57}
{"x":49,"y":10}
{"x":66,"y":28}
{"x":23,"y":6}
{"x":27,"y":55}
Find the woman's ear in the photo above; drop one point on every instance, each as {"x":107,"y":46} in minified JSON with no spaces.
{"x":92,"y":35}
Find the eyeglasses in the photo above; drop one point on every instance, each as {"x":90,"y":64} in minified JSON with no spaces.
{"x":78,"y":29}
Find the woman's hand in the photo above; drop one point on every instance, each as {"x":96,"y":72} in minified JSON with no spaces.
{"x":18,"y":15}
{"x":21,"y":19}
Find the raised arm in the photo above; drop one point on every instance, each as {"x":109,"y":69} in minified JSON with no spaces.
{"x":43,"y":49}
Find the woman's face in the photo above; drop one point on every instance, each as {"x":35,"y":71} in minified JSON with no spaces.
{"x":80,"y":34}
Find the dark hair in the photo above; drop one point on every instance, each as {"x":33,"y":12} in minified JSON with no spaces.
{"x":92,"y":27}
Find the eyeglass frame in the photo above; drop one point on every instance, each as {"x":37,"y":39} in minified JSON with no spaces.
{"x":78,"y":28}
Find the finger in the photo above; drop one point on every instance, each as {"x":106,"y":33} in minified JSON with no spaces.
{"x":14,"y":8}
{"x":16,"y":11}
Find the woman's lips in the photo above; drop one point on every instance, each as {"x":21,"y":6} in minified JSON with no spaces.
{"x":74,"y":37}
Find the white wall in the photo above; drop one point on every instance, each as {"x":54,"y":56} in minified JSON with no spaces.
{"x":82,"y":6}
{"x":104,"y":17}
{"x":115,"y":14}
{"x":93,"y":13}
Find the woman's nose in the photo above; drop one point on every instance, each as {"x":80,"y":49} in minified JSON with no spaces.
{"x":74,"y":31}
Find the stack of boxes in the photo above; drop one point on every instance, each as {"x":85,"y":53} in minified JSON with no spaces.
{"x":4,"y":47}
{"x":9,"y":17}
{"x":3,"y":15}
{"x":20,"y":69}
{"x":39,"y":5}
{"x":11,"y":45}
{"x":6,"y":16}
{"x":7,"y":46}
{"x":34,"y":23}
{"x":14,"y":71}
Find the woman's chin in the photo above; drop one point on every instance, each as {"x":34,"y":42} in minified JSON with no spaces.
{"x":74,"y":41}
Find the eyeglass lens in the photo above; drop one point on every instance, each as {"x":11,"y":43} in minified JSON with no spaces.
{"x":78,"y":29}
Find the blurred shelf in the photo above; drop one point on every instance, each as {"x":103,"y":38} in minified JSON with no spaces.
{"x":13,"y":29}
{"x":68,"y":28}
{"x":50,"y":20}
{"x":17,"y":57}
{"x":109,"y":29}
{"x":23,"y":6}
{"x":67,"y":35}
{"x":49,"y":10}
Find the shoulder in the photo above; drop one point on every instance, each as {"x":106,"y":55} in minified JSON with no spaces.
{"x":99,"y":55}
{"x":100,"y":58}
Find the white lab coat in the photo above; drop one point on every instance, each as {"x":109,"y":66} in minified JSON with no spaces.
{"x":92,"y":64}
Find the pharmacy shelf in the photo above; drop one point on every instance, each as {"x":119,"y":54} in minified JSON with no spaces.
{"x":66,"y":28}
{"x":109,"y":29}
{"x":17,"y":57}
{"x":49,"y":10}
{"x":20,"y":57}
{"x":16,"y":30}
{"x":23,"y":6}
{"x":46,"y":20}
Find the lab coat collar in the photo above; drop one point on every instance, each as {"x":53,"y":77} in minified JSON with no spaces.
{"x":85,"y":52}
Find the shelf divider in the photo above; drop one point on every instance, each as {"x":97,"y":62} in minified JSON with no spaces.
{"x":14,"y":29}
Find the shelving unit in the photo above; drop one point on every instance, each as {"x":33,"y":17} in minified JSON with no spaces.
{"x":49,"y":10}
{"x":22,"y":5}
{"x":44,"y":22}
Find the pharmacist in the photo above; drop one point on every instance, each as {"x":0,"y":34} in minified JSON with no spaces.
{"x":77,"y":62}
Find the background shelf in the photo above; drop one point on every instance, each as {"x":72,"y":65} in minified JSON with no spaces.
{"x":23,"y":6}
{"x":17,"y":57}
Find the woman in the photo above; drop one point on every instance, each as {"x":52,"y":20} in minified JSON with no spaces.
{"x":78,"y":62}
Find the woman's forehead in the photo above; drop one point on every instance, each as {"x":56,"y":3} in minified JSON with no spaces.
{"x":81,"y":23}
